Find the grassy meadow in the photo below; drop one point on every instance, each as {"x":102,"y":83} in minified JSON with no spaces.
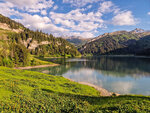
{"x":26,"y":91}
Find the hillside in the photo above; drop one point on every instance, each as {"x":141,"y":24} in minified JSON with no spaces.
{"x":121,"y":42}
{"x":25,"y":91}
{"x":76,"y":40}
{"x":10,"y":24}
{"x":18,"y":42}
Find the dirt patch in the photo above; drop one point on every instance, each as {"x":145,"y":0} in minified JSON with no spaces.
{"x":103,"y":92}
{"x":40,"y":66}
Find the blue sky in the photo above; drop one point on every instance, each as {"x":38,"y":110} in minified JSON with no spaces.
{"x":86,"y":18}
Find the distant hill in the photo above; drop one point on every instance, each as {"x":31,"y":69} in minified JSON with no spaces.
{"x":16,"y":42}
{"x":77,"y":40}
{"x":134,"y":42}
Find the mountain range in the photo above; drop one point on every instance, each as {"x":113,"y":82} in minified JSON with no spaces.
{"x":77,"y":40}
{"x":15,"y":37}
{"x":135,"y":42}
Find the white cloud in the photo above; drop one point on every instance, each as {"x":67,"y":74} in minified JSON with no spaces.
{"x":148,"y":13}
{"x":32,"y":5}
{"x":78,"y":21}
{"x":35,"y":21}
{"x":43,"y":12}
{"x":22,"y":2}
{"x":6,"y":9}
{"x":43,"y":23}
{"x":64,"y":22}
{"x":55,"y":7}
{"x":80,"y":3}
{"x":89,"y":7}
{"x":83,"y":34}
{"x":124,"y":18}
{"x":106,"y":6}
{"x":87,"y":35}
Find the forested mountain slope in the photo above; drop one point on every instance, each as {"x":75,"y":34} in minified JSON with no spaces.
{"x":120,"y":42}
{"x":18,"y":42}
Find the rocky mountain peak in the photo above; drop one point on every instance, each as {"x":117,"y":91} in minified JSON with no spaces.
{"x":138,"y":30}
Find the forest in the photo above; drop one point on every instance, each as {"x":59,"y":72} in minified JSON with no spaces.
{"x":15,"y":47}
{"x":121,"y":43}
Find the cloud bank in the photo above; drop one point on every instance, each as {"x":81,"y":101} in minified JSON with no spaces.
{"x":81,"y":20}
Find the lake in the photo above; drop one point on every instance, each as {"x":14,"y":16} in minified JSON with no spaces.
{"x":120,"y":74}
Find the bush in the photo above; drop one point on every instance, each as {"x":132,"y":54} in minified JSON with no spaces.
{"x":7,"y":62}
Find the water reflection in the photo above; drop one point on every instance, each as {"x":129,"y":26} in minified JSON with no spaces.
{"x":120,"y":66}
{"x":124,"y":87}
{"x":123,"y":75}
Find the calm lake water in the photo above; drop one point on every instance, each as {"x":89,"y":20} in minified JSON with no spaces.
{"x":120,"y":74}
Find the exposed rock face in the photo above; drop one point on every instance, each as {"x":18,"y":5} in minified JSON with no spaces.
{"x":25,"y":43}
{"x":32,"y":44}
{"x":4,"y":26}
{"x":138,"y":30}
{"x":7,"y":27}
{"x":29,"y":43}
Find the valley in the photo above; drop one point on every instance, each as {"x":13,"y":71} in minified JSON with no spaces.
{"x":40,"y":72}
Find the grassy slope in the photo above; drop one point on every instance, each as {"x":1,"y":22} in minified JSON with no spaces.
{"x":25,"y":91}
{"x":5,"y":33}
{"x":36,"y":61}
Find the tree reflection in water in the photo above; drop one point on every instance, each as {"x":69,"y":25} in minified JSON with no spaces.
{"x":121,"y":74}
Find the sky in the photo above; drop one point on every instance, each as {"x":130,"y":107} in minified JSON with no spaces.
{"x":85,"y":18}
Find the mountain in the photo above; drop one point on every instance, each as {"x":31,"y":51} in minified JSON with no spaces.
{"x":76,"y":40}
{"x":18,"y":42}
{"x":137,"y":30}
{"x":134,"y":42}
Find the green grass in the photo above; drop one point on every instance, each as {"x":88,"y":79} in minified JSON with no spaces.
{"x":35,"y":61}
{"x":59,"y":56}
{"x":32,"y":92}
{"x":4,"y":33}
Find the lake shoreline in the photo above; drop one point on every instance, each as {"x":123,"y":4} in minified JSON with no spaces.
{"x":138,"y":56}
{"x":39,"y":66}
{"x":103,"y":92}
